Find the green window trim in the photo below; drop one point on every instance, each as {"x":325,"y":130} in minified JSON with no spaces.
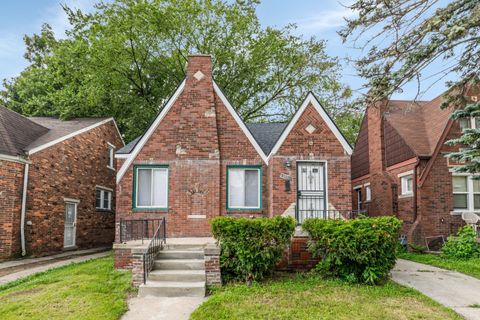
{"x":134,"y":193}
{"x":260,"y":199}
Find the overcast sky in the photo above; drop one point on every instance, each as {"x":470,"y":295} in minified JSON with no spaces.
{"x":321,"y":19}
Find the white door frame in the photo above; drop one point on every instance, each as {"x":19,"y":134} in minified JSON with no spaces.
{"x":74,"y":227}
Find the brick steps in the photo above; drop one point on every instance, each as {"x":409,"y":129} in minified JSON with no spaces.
{"x":179,"y":271}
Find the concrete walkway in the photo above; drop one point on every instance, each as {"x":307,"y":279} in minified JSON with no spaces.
{"x":15,"y":269}
{"x":161,"y":308}
{"x":452,"y":289}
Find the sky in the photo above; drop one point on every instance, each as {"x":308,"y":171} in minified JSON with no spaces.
{"x":321,"y":19}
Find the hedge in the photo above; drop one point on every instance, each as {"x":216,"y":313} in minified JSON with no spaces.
{"x":250,"y":248}
{"x":359,"y":250}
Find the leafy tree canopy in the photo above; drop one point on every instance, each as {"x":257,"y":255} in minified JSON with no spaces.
{"x":127,"y":57}
{"x":402,"y":38}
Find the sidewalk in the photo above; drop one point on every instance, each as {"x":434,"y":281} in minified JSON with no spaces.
{"x":15,"y":269}
{"x":161,"y":308}
{"x":452,"y":289}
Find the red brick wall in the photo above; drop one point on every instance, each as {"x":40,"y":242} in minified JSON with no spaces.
{"x":210,"y":140}
{"x":194,"y":173}
{"x":321,"y":145}
{"x":11,"y":184}
{"x":436,"y":197}
{"x":71,"y":169}
{"x":297,"y":257}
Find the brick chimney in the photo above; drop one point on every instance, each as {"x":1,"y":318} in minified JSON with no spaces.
{"x":376,"y":141}
{"x":197,"y":134}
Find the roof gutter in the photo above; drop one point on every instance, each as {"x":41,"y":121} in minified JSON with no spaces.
{"x":24,"y":207}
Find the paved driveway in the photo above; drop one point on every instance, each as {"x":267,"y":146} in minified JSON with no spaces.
{"x":452,"y":289}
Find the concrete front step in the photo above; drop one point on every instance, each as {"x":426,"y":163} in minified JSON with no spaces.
{"x":183,"y":246}
{"x":172,"y":289}
{"x":180,"y":254}
{"x":179,"y":264}
{"x":177,"y":275}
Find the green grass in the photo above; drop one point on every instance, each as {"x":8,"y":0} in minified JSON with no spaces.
{"x":87,"y":290}
{"x":310,"y":297}
{"x":470,"y":266}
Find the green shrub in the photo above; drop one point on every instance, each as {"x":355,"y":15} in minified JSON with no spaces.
{"x":462,"y":246}
{"x":250,"y":248}
{"x":417,"y":248}
{"x":360,"y":250}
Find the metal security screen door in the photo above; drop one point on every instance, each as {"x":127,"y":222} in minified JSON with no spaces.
{"x":70,"y":220}
{"x":311,"y":191}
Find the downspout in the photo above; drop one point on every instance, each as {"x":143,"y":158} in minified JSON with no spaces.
{"x":24,"y":207}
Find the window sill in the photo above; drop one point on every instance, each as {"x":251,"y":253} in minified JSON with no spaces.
{"x":232,"y":210}
{"x":111,"y":168}
{"x":150,"y":209}
{"x":104,"y":210}
{"x":403,"y":196}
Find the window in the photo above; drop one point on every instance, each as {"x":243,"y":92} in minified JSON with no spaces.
{"x":368,"y":193}
{"x":103,"y":199}
{"x":469,"y":123}
{"x":466,"y":193}
{"x":359,"y":198}
{"x":407,"y":184}
{"x":151,"y":187}
{"x":111,"y":153}
{"x":244,"y":187}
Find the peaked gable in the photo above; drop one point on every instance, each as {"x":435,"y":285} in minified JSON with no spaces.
{"x":311,"y":100}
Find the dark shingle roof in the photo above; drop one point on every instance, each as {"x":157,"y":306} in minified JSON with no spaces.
{"x":17,"y":132}
{"x":129,"y":146}
{"x":60,"y":128}
{"x":266,"y":134}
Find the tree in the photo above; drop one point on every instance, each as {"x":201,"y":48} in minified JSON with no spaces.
{"x":128,"y":56}
{"x":404,"y":37}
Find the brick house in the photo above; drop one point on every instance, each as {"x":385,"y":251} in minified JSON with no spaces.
{"x":57,"y":183}
{"x":199,"y":160}
{"x":399,"y":167}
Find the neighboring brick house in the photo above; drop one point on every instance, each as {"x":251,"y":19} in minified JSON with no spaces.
{"x":399,"y":167}
{"x":57,"y":183}
{"x":199,"y":160}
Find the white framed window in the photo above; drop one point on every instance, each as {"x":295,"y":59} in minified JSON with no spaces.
{"x":368,"y":193}
{"x":111,"y":155}
{"x":466,"y":193}
{"x":244,"y":187}
{"x":150,"y":187}
{"x":103,"y":199}
{"x":359,"y":198}
{"x":406,"y":182}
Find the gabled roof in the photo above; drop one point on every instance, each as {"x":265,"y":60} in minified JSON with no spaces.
{"x":129,"y":146}
{"x":59,"y":130}
{"x":311,"y":99}
{"x":17,"y":132}
{"x":20,"y":135}
{"x":419,"y":123}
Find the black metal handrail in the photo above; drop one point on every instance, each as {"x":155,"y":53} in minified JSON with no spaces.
{"x":302,"y":215}
{"x":138,"y":229}
{"x":156,"y":244}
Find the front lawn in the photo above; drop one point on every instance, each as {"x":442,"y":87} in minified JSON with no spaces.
{"x":88,"y":290}
{"x":470,"y":266}
{"x":310,"y":297}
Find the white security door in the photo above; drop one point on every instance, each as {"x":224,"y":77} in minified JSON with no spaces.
{"x":70,"y":224}
{"x":311,"y":191}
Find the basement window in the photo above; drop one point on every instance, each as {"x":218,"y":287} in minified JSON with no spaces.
{"x":150,"y":187}
{"x":244,"y":187}
{"x":103,"y":199}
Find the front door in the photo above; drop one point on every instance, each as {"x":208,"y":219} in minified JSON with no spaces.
{"x":311,"y":191}
{"x":70,"y":224}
